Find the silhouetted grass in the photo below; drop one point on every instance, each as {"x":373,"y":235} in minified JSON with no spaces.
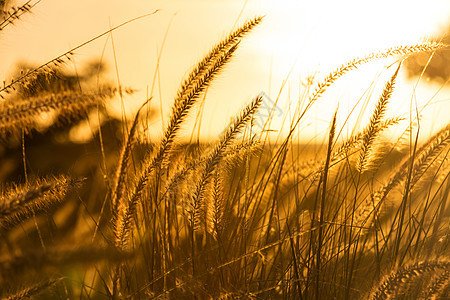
{"x":238,"y":218}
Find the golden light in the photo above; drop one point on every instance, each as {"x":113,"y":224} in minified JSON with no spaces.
{"x":297,"y":40}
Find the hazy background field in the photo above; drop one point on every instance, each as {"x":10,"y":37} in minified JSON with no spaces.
{"x":297,"y":40}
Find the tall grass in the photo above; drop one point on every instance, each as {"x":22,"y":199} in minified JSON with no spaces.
{"x":237,"y":218}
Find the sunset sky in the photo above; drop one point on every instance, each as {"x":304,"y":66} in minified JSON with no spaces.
{"x":297,"y":39}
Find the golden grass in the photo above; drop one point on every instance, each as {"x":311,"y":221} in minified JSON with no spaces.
{"x":238,"y":218}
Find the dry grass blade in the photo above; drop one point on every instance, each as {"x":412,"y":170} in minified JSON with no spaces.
{"x":33,"y":290}
{"x":19,"y":115}
{"x":14,"y":202}
{"x":197,"y":81}
{"x":373,"y":127}
{"x":391,"y":287}
{"x":120,"y":178}
{"x":429,"y":152}
{"x":14,"y":13}
{"x":313,"y":169}
{"x":426,"y":152}
{"x":179,"y":113}
{"x":348,"y":147}
{"x":20,"y":203}
{"x":232,"y":156}
{"x":324,"y":181}
{"x":196,"y":203}
{"x":214,"y":54}
{"x":436,"y":286}
{"x":216,"y":207}
{"x":183,"y":104}
{"x":355,"y":63}
{"x":216,"y":156}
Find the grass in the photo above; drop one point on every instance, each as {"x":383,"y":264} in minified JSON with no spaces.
{"x":238,"y":218}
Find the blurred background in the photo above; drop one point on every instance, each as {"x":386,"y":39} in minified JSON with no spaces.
{"x":298,"y":41}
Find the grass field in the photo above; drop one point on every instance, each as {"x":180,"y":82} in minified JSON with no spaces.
{"x":364,"y":216}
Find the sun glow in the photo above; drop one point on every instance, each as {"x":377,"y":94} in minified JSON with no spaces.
{"x":301,"y":39}
{"x":297,"y":40}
